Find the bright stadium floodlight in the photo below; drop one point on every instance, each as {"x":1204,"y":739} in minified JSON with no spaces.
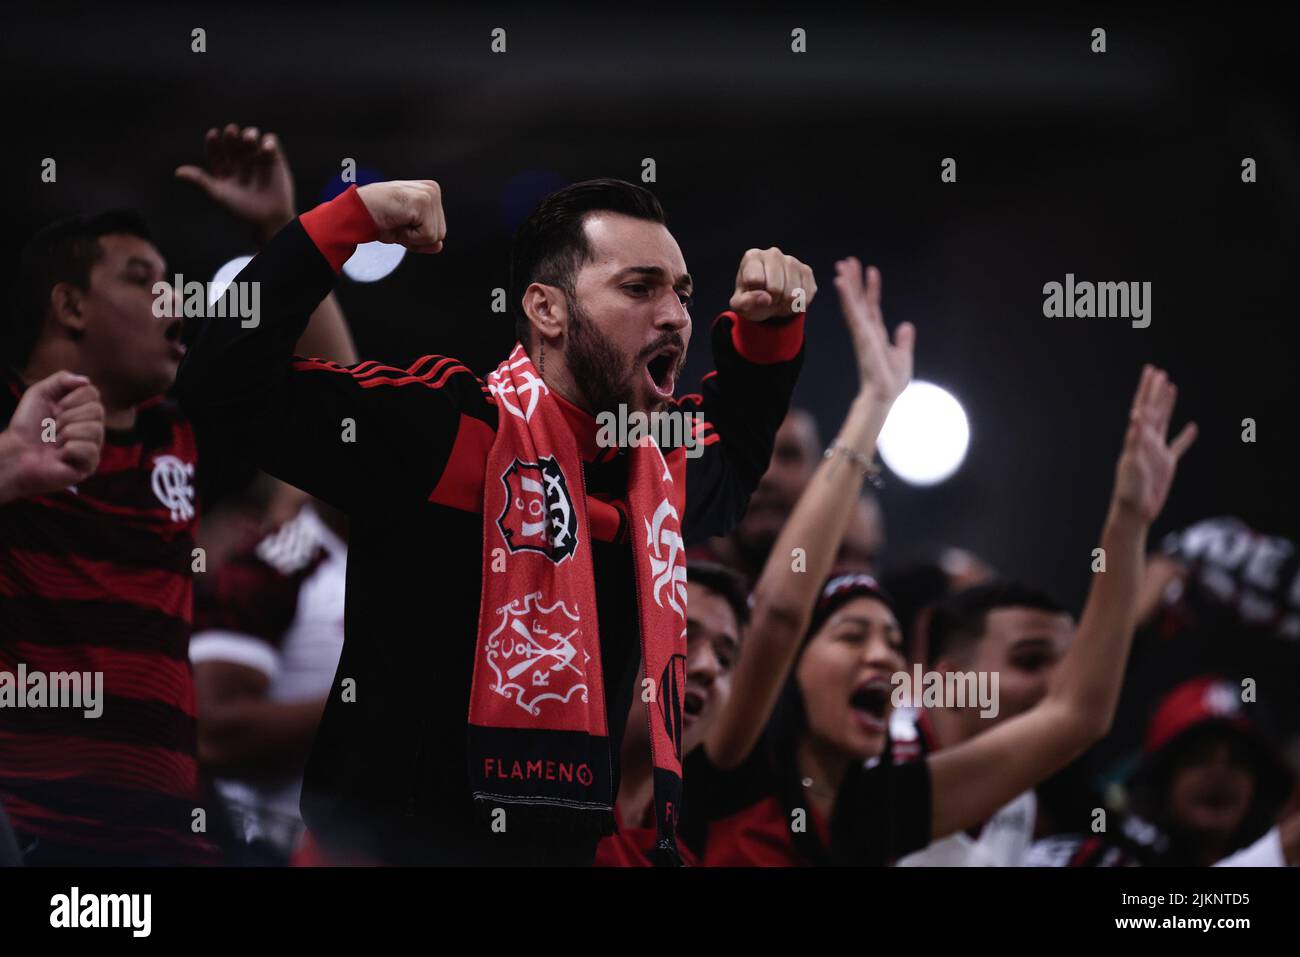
{"x":224,"y":276}
{"x":926,"y":435}
{"x":373,"y":261}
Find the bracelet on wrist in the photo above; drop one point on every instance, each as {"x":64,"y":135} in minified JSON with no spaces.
{"x":871,"y":471}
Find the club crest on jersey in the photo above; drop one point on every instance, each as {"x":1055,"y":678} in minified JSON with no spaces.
{"x":173,"y":483}
{"x":534,"y":655}
{"x":539,"y":515}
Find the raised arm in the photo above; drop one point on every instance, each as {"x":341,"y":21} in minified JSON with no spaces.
{"x":784,"y":598}
{"x":369,"y":435}
{"x":1080,"y":706}
{"x":248,"y":175}
{"x":757,"y":354}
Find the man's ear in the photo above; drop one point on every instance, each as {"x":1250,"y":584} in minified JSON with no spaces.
{"x":547,"y":310}
{"x":65,"y":306}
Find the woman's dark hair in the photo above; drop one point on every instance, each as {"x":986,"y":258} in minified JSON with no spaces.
{"x":789,"y":720}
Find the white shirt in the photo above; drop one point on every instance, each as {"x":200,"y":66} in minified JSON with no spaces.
{"x":300,"y":668}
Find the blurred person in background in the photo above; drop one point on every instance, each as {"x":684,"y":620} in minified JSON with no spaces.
{"x":864,"y":539}
{"x":795,"y":453}
{"x":717,"y":614}
{"x":1212,"y":789}
{"x":795,"y":457}
{"x":98,"y":575}
{"x":1002,"y":627}
{"x":1219,"y":597}
{"x":268,"y":629}
{"x":917,"y":586}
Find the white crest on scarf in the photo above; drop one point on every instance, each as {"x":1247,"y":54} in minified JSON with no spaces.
{"x":531,"y":645}
{"x":669,"y":570}
{"x":533,"y":388}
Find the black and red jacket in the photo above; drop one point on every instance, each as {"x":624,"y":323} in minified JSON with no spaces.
{"x":388,"y":774}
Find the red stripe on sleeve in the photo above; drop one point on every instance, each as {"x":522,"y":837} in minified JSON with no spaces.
{"x":339,"y":226}
{"x":764,"y":343}
{"x":461,"y":485}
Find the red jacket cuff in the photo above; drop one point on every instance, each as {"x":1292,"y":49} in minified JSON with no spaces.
{"x":339,"y":226}
{"x":765,"y":343}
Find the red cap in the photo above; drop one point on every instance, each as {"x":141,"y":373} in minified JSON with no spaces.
{"x":1193,"y":703}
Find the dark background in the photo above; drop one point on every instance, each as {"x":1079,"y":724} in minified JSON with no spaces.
{"x":1123,"y":166}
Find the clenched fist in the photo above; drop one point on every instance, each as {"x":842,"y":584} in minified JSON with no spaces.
{"x":771,"y":285}
{"x":408,"y":212}
{"x":53,"y":439}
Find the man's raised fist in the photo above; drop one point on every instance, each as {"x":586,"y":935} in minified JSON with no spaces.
{"x":408,"y":212}
{"x":53,"y":439}
{"x":771,"y":285}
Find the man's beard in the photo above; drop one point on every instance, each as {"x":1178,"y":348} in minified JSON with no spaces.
{"x":596,"y":365}
{"x":598,"y":370}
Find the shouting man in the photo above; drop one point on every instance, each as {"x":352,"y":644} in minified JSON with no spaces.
{"x":507,"y":574}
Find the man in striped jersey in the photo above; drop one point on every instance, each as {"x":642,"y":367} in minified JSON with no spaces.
{"x":96,"y":576}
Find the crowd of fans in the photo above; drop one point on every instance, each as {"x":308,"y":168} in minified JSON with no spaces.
{"x":1156,"y":726}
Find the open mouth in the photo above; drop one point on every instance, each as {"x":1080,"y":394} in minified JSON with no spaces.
{"x":1217,"y":798}
{"x":870,"y":704}
{"x":692,"y":704}
{"x":173,"y":334}
{"x":661,"y":368}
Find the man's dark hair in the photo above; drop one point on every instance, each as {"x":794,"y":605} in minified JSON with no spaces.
{"x":720,"y":579}
{"x":959,"y":620}
{"x":551,"y":246}
{"x":64,"y":251}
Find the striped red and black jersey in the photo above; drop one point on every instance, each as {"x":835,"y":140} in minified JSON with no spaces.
{"x":255,"y":594}
{"x":96,"y":579}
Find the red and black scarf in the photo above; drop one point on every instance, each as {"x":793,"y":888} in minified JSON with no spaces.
{"x":538,"y":734}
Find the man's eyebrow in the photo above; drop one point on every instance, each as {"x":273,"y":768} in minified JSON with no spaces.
{"x":145,"y":263}
{"x":684,"y":281}
{"x":1022,"y":643}
{"x":858,"y":620}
